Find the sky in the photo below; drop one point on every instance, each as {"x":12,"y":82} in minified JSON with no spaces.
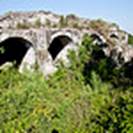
{"x":117,"y":11}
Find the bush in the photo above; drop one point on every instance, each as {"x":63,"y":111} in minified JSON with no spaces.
{"x":38,"y":23}
{"x":48,"y":23}
{"x":130,"y":39}
{"x":65,"y":103}
{"x":63,"y":22}
{"x":22,"y":26}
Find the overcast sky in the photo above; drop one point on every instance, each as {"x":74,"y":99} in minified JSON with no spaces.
{"x":118,"y":11}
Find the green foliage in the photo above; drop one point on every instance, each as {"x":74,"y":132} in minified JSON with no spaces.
{"x":48,"y":23}
{"x":119,"y":77}
{"x":75,"y":25}
{"x":22,"y":26}
{"x":130,"y":39}
{"x":71,"y":101}
{"x":38,"y":23}
{"x":27,"y":25}
{"x":2,"y":50}
{"x":63,"y":22}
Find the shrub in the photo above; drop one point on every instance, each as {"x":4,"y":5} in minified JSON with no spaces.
{"x":130,"y":39}
{"x":38,"y":23}
{"x":22,"y":26}
{"x":63,"y":22}
{"x":65,"y":102}
{"x":48,"y":23}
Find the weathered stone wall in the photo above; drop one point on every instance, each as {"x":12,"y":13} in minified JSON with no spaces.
{"x":42,"y":37}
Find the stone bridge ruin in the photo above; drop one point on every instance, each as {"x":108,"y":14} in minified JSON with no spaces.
{"x":45,"y":46}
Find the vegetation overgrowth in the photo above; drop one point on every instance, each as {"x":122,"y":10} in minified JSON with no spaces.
{"x":91,"y":95}
{"x":130,"y":39}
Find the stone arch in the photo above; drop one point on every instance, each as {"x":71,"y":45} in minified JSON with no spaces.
{"x":96,"y":37}
{"x":99,"y":40}
{"x":16,"y":50}
{"x":113,"y":35}
{"x":58,"y":43}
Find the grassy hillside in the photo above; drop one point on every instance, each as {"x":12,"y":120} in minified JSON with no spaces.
{"x":76,"y":99}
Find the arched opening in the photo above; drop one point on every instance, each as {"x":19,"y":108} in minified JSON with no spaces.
{"x":13,"y":50}
{"x":58,"y":44}
{"x":96,"y":37}
{"x":113,"y":35}
{"x":98,"y":40}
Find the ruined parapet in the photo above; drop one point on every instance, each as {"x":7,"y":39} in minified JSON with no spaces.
{"x":25,"y":20}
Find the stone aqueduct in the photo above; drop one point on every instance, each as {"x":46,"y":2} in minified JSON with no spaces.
{"x":44,"y":45}
{"x":41,"y":46}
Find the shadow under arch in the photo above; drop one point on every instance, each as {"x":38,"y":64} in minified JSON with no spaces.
{"x":96,"y":37}
{"x":13,"y":50}
{"x":58,"y":44}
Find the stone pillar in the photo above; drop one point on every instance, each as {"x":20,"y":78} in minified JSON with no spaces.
{"x":44,"y":59}
{"x":45,"y":62}
{"x":29,"y":61}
